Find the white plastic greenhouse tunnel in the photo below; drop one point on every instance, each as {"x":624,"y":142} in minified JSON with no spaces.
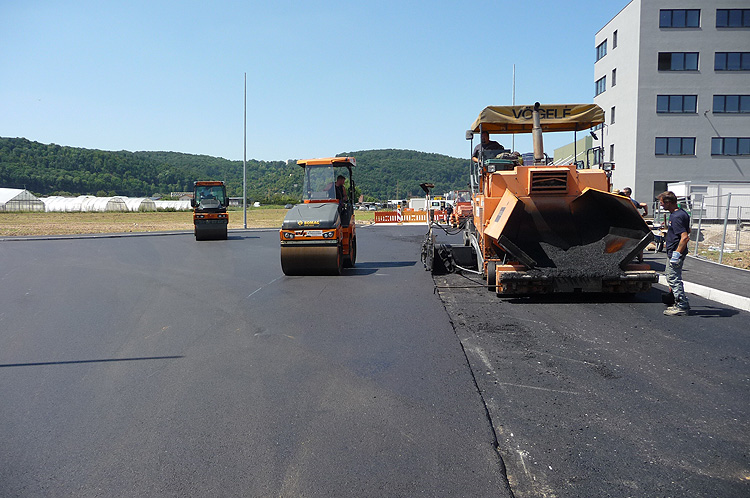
{"x":139,"y":204}
{"x":59,"y":204}
{"x":84,"y":203}
{"x":90,"y":203}
{"x":173,"y":205}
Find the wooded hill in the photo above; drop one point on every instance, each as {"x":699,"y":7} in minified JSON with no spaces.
{"x":53,"y":169}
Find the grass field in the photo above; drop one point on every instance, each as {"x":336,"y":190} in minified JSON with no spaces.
{"x":37,"y":224}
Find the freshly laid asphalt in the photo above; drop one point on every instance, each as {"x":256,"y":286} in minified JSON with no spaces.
{"x":600,"y":395}
{"x":720,"y":283}
{"x":586,"y":398}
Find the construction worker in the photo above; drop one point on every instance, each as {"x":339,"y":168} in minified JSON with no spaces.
{"x":485,"y":144}
{"x":449,"y":212}
{"x":678,"y":236}
{"x":340,"y":189}
{"x":628,"y":192}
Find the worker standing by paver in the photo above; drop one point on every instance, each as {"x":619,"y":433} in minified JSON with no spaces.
{"x":678,"y":236}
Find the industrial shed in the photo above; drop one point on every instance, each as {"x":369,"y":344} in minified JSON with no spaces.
{"x":16,"y":199}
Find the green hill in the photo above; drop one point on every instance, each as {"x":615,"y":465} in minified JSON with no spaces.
{"x":47,"y":169}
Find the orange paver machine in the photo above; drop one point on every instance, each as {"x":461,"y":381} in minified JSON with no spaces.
{"x":546,"y":228}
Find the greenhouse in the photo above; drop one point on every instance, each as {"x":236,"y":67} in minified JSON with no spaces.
{"x":16,"y":199}
{"x":90,"y":203}
{"x":173,"y":205}
{"x":84,"y":203}
{"x":59,"y":204}
{"x":139,"y":204}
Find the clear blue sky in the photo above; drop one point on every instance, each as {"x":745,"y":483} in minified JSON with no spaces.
{"x":323,"y":77}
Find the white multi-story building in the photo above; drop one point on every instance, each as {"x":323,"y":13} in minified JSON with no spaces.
{"x":673,"y":77}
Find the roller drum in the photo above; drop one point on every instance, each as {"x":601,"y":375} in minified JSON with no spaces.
{"x":311,"y":260}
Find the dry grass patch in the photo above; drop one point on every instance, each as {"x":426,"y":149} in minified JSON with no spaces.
{"x":37,"y":224}
{"x":40,"y":224}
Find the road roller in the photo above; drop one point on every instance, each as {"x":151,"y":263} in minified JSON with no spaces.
{"x":544,"y":228}
{"x":209,"y":202}
{"x":318,"y":235}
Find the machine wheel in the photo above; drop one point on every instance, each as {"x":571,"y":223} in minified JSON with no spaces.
{"x":339,"y":262}
{"x":351,"y":259}
{"x":492,"y":276}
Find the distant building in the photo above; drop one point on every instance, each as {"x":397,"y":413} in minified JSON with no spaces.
{"x":584,"y":152}
{"x":16,"y":199}
{"x":673,"y":78}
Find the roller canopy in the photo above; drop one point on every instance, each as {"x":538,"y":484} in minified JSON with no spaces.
{"x":323,"y":161}
{"x":555,"y":117}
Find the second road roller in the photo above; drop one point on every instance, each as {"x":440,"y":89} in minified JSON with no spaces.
{"x":318,"y":235}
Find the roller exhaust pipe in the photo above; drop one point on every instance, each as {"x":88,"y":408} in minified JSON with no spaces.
{"x":536,"y":134}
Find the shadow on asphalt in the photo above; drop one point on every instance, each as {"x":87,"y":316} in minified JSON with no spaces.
{"x":371,"y":267}
{"x":713,"y":312}
{"x":385,"y":264}
{"x":242,"y":237}
{"x":652,"y":296}
{"x":76,"y":362}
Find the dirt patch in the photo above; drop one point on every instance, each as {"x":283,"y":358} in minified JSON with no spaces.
{"x":736,"y":244}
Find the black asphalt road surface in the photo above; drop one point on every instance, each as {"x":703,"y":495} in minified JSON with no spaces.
{"x":161,"y":366}
{"x":592,"y":396}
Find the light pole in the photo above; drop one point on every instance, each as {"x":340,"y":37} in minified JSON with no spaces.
{"x":244,"y":163}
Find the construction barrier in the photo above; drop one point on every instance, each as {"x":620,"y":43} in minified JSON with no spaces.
{"x":409,"y":216}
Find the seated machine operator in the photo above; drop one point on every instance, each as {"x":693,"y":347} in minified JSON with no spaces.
{"x":485,"y":144}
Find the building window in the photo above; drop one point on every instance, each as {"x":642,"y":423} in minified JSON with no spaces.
{"x":601,"y":85}
{"x":731,"y":146}
{"x":679,"y":18}
{"x":601,"y":50}
{"x":676,"y":103}
{"x":733,"y":18}
{"x":614,"y":77}
{"x":678,"y":61}
{"x":732,"y":61}
{"x":731,"y":104}
{"x":611,"y":153}
{"x":675,"y":146}
{"x":612,"y":115}
{"x":614,"y":40}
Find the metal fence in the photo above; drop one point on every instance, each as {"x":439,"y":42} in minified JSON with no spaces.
{"x":720,"y":223}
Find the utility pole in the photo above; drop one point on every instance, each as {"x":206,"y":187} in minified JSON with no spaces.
{"x":244,"y":162}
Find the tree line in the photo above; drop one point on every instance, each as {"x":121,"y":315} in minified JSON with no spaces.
{"x":50,"y":169}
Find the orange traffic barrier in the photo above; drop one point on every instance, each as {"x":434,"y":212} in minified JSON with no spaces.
{"x":400,"y":216}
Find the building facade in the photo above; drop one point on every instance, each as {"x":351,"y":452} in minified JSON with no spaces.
{"x":673,"y":78}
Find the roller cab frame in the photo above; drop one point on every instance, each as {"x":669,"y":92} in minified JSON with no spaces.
{"x":318,"y":236}
{"x":546,"y":228}
{"x":209,"y":203}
